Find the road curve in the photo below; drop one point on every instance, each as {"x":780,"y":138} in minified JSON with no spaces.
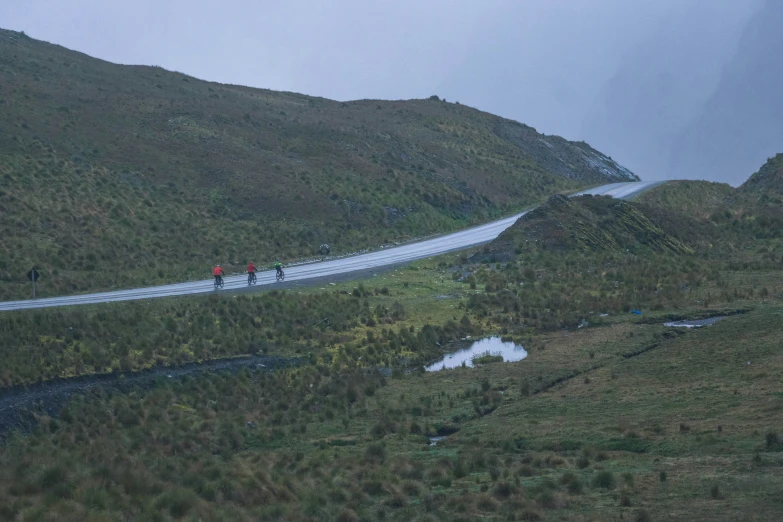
{"x":373,"y":260}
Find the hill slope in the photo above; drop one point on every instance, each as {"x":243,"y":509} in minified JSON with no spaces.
{"x":768,"y":179}
{"x":588,"y":224}
{"x":116,"y":175}
{"x":718,"y":218}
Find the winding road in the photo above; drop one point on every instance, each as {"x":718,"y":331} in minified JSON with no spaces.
{"x":327,"y":269}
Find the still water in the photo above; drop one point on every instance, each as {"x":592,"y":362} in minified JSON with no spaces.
{"x":509,"y":351}
{"x":696,"y":323}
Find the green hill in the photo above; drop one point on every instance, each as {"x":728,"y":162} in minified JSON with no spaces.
{"x":121,"y":175}
{"x":769,"y":179}
{"x":585,"y":223}
{"x":717,"y":215}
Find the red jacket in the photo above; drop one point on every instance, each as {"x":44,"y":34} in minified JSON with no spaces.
{"x":217,"y":271}
{"x":251,"y":268}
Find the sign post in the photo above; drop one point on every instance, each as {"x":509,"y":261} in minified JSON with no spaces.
{"x":33,"y":276}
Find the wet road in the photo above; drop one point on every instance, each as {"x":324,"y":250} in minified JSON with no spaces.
{"x":337,"y":268}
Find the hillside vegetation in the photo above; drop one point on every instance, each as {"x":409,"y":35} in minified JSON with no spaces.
{"x":588,"y":224}
{"x":612,"y":415}
{"x":114,"y":175}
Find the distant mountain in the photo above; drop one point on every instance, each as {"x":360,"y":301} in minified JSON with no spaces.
{"x":742,"y":122}
{"x":121,"y":175}
{"x":663,"y":84}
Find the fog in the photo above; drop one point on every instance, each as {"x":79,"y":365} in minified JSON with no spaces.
{"x":653,"y":83}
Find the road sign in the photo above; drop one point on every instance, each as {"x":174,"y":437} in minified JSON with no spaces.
{"x":33,"y":276}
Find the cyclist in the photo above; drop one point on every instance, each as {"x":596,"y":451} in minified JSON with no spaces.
{"x":279,"y":268}
{"x":218,"y":273}
{"x":251,"y":272}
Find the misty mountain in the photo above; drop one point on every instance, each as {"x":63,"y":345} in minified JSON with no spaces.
{"x":666,"y":87}
{"x":742,"y":122}
{"x":657,"y":90}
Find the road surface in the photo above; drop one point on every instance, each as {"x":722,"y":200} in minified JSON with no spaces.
{"x":320,"y":270}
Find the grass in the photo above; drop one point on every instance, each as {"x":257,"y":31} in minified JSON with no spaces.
{"x":337,"y":326}
{"x":406,"y":316}
{"x":486,"y":358}
{"x":611,"y":414}
{"x":586,"y":224}
{"x":115,"y":176}
{"x":353,"y":445}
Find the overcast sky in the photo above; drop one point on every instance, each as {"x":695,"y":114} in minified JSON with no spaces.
{"x":547,"y":63}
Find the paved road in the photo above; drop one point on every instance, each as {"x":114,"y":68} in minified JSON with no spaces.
{"x":336,"y":268}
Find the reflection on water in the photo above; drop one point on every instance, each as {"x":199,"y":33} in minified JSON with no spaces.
{"x":434,"y":440}
{"x":509,"y":351}
{"x":696,"y":323}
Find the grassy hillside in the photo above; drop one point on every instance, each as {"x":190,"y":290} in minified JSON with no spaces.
{"x":117,"y":175}
{"x":719,"y":218}
{"x":611,"y":416}
{"x":588,"y":224}
{"x":635,"y":421}
{"x":769,"y":178}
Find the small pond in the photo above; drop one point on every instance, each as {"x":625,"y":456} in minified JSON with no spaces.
{"x":434,"y":440}
{"x":493,"y":346}
{"x":695,"y":323}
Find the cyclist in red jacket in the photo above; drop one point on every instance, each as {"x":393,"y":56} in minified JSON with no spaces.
{"x":218,"y":273}
{"x":251,"y":273}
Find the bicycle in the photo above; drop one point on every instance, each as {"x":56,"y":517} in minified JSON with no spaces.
{"x":280,"y":275}
{"x":218,"y":282}
{"x":251,"y":278}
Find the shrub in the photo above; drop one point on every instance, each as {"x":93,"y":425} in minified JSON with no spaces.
{"x":460,"y":470}
{"x":525,"y":471}
{"x":546,"y":499}
{"x":643,"y":516}
{"x":375,"y":452}
{"x":582,"y":462}
{"x":502,"y":490}
{"x":572,"y":482}
{"x":347,"y":515}
{"x":575,"y":486}
{"x":178,"y":502}
{"x":604,"y":479}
